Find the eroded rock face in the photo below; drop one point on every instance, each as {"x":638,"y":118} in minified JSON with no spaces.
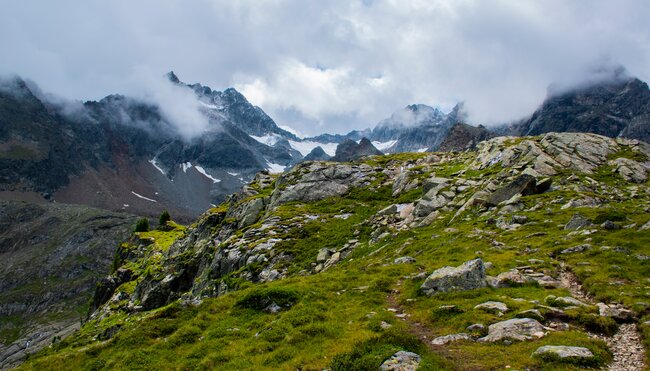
{"x":470,"y":275}
{"x":519,"y":329}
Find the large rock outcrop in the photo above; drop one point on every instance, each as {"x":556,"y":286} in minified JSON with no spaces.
{"x":469,"y":275}
{"x":554,"y":152}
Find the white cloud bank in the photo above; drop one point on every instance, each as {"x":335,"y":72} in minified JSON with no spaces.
{"x":329,"y":65}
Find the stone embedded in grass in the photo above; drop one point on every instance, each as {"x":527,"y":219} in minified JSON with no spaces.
{"x":565,"y":301}
{"x":523,"y":184}
{"x":401,"y":361}
{"x":469,"y":275}
{"x":492,"y":307}
{"x":323,"y":255}
{"x":442,"y":340}
{"x":509,"y":278}
{"x":575,"y":249}
{"x":518,"y":329}
{"x":618,"y":312}
{"x":578,"y":221}
{"x":475,"y":327}
{"x":531,"y":313}
{"x":563,"y":353}
{"x":404,"y":260}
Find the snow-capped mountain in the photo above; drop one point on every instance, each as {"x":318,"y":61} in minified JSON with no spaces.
{"x":121,"y":153}
{"x":415,"y":128}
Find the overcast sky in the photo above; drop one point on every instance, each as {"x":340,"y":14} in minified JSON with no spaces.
{"x":328,"y":66}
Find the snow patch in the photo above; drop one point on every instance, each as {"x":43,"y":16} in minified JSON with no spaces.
{"x":422,"y":150}
{"x":307,"y":146}
{"x":202,"y":171}
{"x":212,"y":106}
{"x":275,"y":168}
{"x":232,"y":174}
{"x":142,"y":197}
{"x":269,"y":139}
{"x":384,"y":145}
{"x":186,"y":166}
{"x":155,"y":164}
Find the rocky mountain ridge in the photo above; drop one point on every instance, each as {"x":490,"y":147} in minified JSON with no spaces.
{"x":370,"y":238}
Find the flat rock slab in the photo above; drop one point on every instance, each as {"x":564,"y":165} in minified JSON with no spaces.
{"x":401,"y":361}
{"x":560,"y":353}
{"x":492,"y":306}
{"x":442,"y":340}
{"x":518,"y":329}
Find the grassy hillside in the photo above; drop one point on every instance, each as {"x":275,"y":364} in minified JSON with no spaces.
{"x":355,"y":313}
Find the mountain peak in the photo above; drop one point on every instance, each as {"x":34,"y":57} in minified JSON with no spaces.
{"x":171,"y":76}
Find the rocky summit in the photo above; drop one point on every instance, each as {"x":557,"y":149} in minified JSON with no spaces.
{"x":428,"y":261}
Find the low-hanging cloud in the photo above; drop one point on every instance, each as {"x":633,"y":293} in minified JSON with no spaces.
{"x":178,"y":104}
{"x":331,"y":65}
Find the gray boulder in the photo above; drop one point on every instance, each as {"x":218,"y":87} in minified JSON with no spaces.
{"x":578,"y":221}
{"x":563,"y":353}
{"x":492,"y":307}
{"x":443,"y":340}
{"x":524,"y":184}
{"x":618,"y":312}
{"x":404,"y":260}
{"x":518,"y":329}
{"x":469,"y":275}
{"x":401,"y":361}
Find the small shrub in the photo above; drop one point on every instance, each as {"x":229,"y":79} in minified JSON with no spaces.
{"x":142,"y":225}
{"x":164,"y":218}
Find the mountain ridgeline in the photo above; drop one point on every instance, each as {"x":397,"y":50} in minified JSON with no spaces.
{"x":327,"y":241}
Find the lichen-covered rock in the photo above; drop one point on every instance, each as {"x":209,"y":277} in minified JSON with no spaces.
{"x":519,"y":329}
{"x":492,"y":307}
{"x":630,"y":170}
{"x":618,"y":312}
{"x":581,"y":152}
{"x":469,"y":275}
{"x":563,"y":353}
{"x":401,"y":361}
{"x":578,"y":221}
{"x":443,"y":340}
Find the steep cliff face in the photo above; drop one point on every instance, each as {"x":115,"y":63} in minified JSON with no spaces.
{"x":300,"y":269}
{"x":53,"y":255}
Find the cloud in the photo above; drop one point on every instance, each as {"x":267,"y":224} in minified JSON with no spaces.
{"x":331,"y":65}
{"x":178,"y":105}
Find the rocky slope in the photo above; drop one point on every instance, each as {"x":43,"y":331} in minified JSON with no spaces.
{"x":52,"y":257}
{"x":433,"y":260}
